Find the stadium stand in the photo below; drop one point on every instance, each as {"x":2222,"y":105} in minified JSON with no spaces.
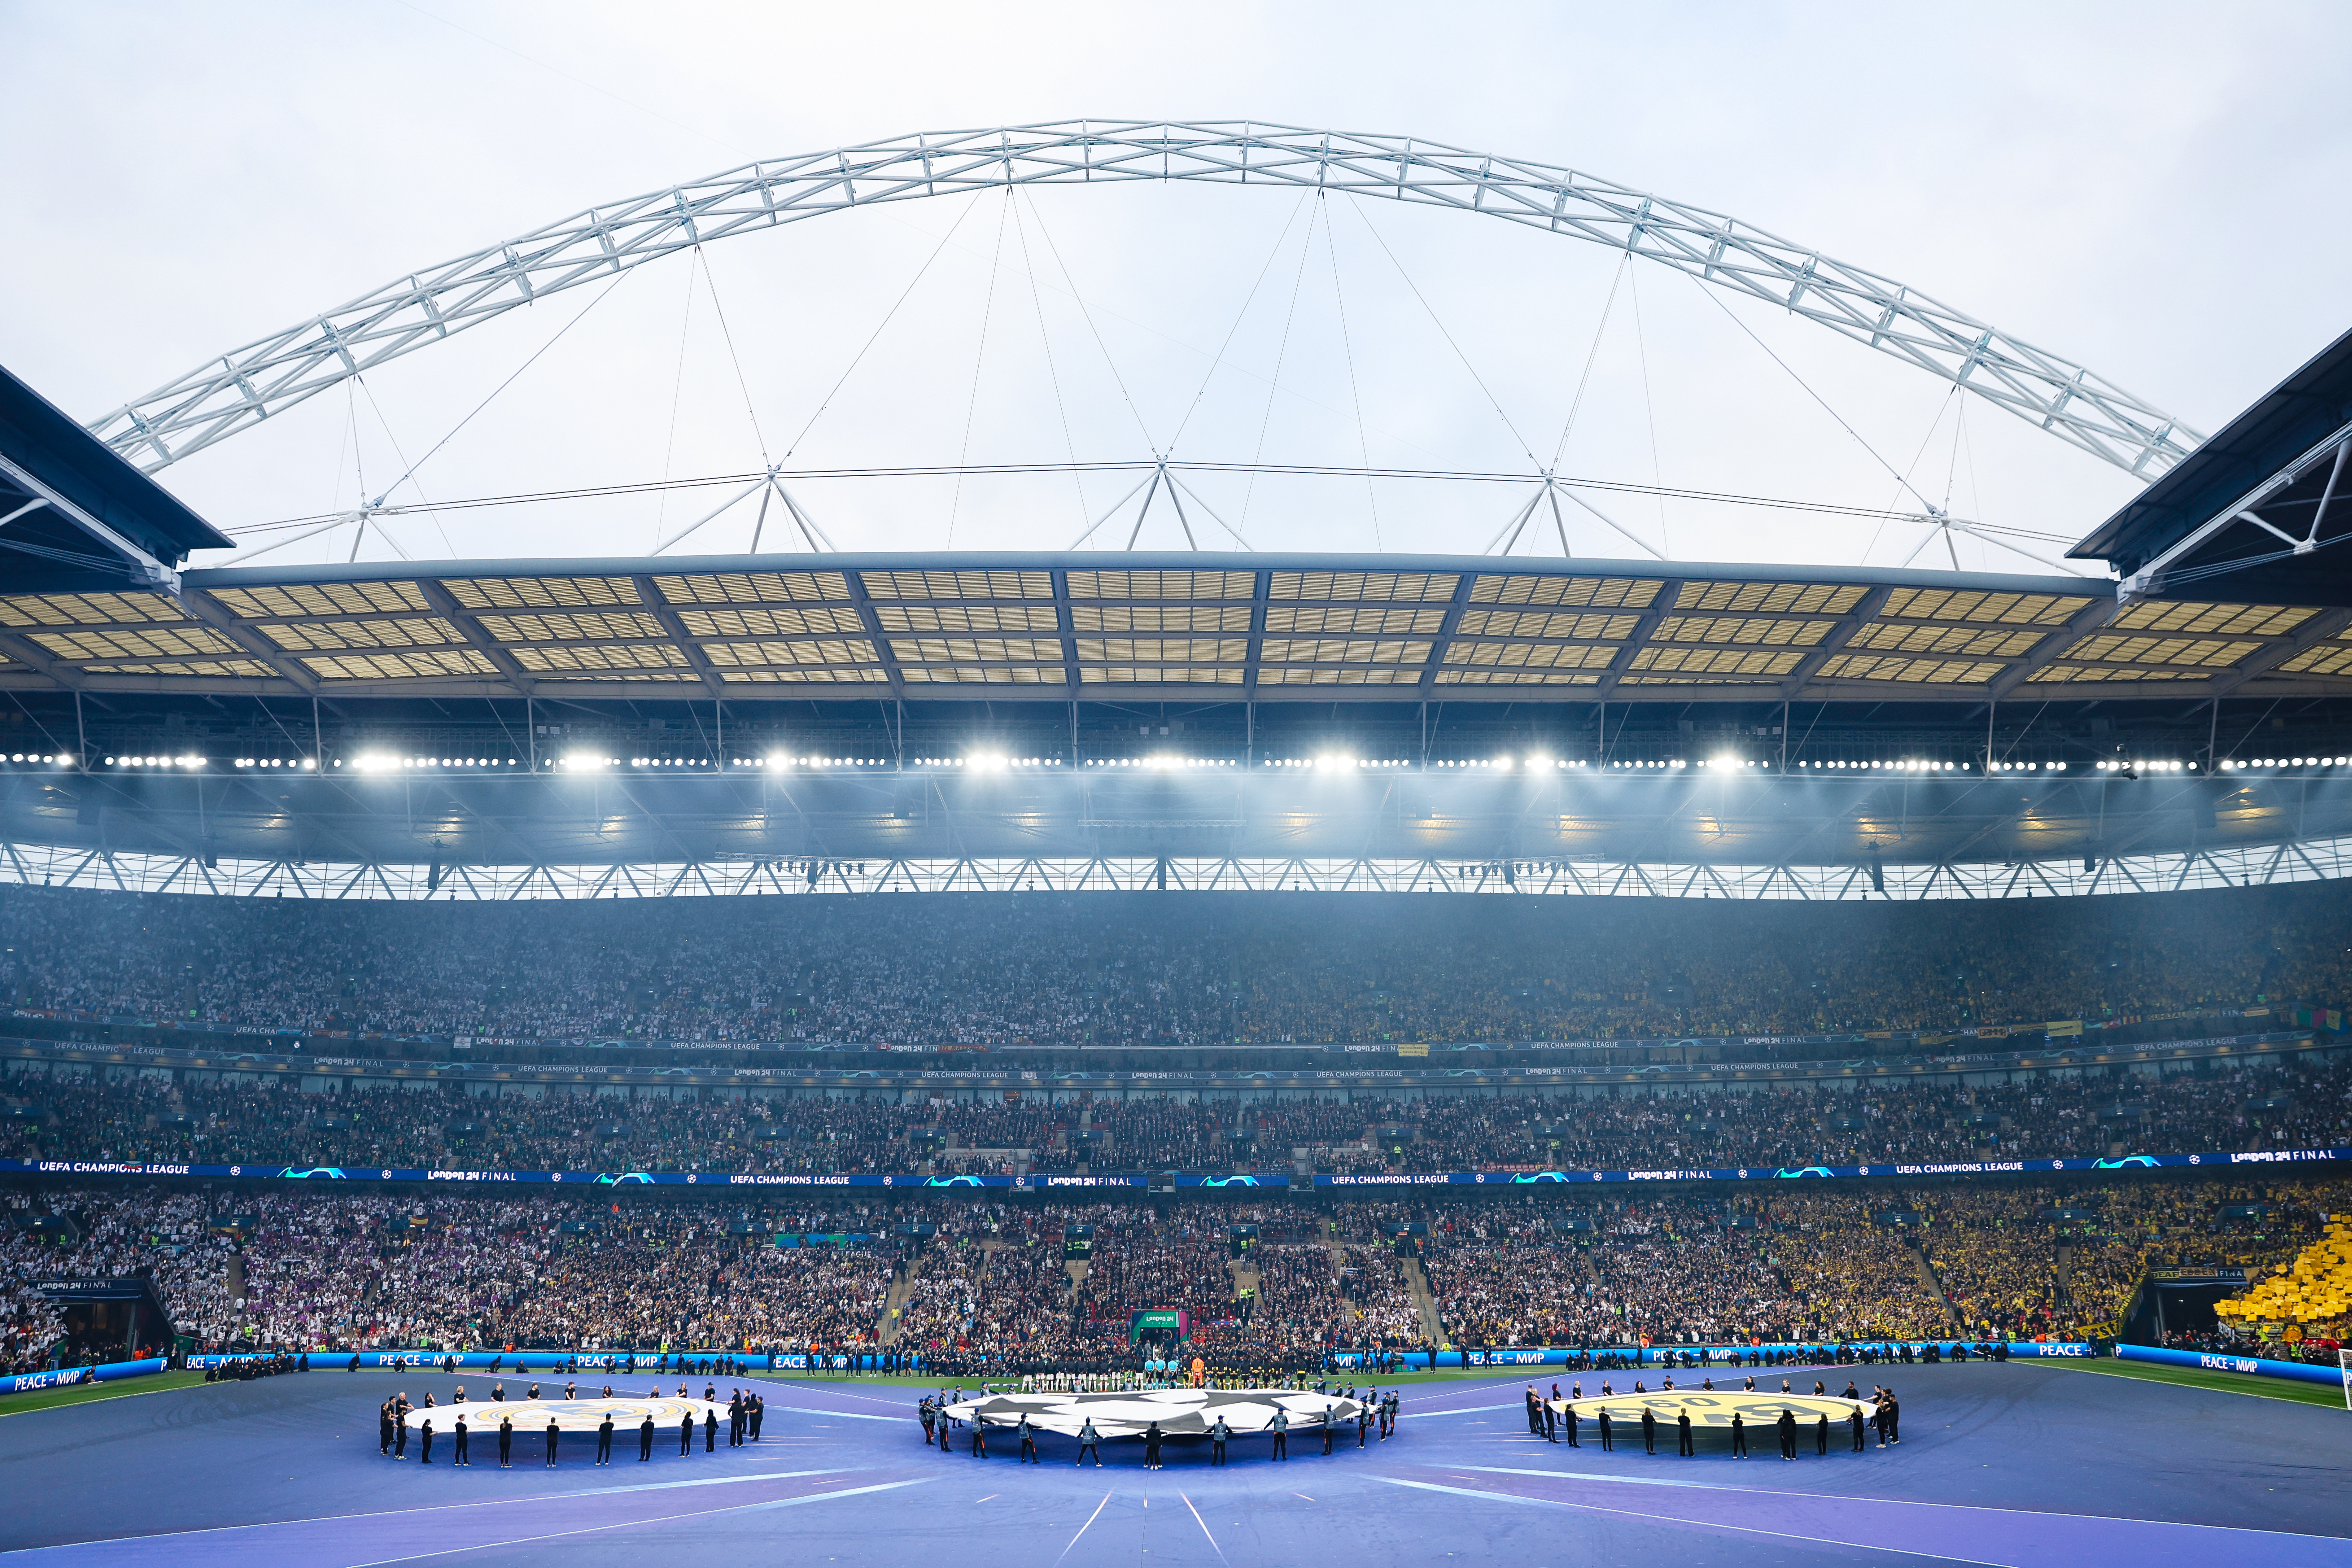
{"x":1119,"y":969}
{"x":312,"y":1272}
{"x":440,"y":1125}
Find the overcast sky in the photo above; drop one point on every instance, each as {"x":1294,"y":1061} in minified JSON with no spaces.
{"x":2152,"y":190}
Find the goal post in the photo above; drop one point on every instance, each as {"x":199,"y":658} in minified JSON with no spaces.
{"x":2343,"y":1373}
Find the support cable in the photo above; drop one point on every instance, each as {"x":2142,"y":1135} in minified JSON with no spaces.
{"x":677,"y":385}
{"x":1281,"y":355}
{"x":1355,"y":396}
{"x":1052,"y":371}
{"x":1139,"y":465}
{"x":1086,"y":314}
{"x":369,"y":392}
{"x":1932,"y":427}
{"x":888,"y":317}
{"x":727,"y":335}
{"x":1899,"y":478}
{"x":1438,"y":321}
{"x":1650,"y":413}
{"x":1247,"y":302}
{"x":510,"y":381}
{"x":979,"y":361}
{"x":1591,"y":354}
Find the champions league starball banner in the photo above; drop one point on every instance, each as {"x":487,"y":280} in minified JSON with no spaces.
{"x":1275,"y":1180}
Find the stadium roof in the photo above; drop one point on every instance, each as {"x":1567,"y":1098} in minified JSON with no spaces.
{"x":72,"y":514}
{"x":1191,"y":626}
{"x":2245,"y":513}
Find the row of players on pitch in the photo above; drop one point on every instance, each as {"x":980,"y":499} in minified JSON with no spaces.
{"x":746,"y":1413}
{"x":1548,"y":1417}
{"x":1375,"y":1407}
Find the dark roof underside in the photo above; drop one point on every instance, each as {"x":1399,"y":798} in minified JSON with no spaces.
{"x":2244,"y":562}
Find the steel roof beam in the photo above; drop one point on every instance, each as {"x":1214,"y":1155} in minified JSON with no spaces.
{"x":2082,"y":624}
{"x":697,"y":660}
{"x":2322,"y":628}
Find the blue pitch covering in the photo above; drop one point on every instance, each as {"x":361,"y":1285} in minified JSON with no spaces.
{"x":2034,"y":1466}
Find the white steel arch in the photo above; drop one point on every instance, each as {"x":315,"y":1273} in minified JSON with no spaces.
{"x":247,"y":384}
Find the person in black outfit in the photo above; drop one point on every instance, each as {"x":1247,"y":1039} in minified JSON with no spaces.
{"x":399,"y":1430}
{"x":1324,"y":1421}
{"x":1682,"y":1428}
{"x":1821,"y":1433}
{"x":1569,"y":1421}
{"x":1151,"y":1446}
{"x":461,"y":1457}
{"x":1551,"y":1423}
{"x":1608,"y":1432}
{"x":929,"y":1414}
{"x":384,"y":1429}
{"x":1649,"y":1430}
{"x":550,"y":1442}
{"x":759,"y":1415}
{"x":427,"y":1456}
{"x":506,"y":1440}
{"x":604,"y":1439}
{"x":709,"y":1431}
{"x":1089,"y":1444}
{"x":1534,"y":1413}
{"x":1739,"y":1436}
{"x":645,"y":1440}
{"x":1281,"y":1434}
{"x":1217,"y":1435}
{"x":1854,"y":1421}
{"x":980,"y":1437}
{"x":1028,"y":1443}
{"x":1894,"y":1418}
{"x":1788,"y":1425}
{"x":685,"y":1434}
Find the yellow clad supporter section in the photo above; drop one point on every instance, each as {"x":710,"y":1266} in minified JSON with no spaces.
{"x":2316,"y":1287}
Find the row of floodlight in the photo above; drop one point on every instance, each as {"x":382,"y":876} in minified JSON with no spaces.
{"x":2235,"y":765}
{"x":378,"y":761}
{"x":990,"y":761}
{"x":1535,"y":761}
{"x":193,"y":763}
{"x":1163,"y":764}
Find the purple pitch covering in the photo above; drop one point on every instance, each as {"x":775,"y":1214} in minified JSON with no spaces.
{"x":2023,"y":1466}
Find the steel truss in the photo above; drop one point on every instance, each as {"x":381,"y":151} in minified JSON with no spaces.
{"x":38,"y":865}
{"x":249,"y":384}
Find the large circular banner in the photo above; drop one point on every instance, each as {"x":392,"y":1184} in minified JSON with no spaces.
{"x":531,"y":1415}
{"x":1181,"y":1411}
{"x":1715,"y":1409}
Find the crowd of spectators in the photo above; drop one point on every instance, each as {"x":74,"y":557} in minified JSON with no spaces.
{"x":74,"y":1113}
{"x":996,"y":1284}
{"x":165,"y":1235}
{"x":1136,"y":968}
